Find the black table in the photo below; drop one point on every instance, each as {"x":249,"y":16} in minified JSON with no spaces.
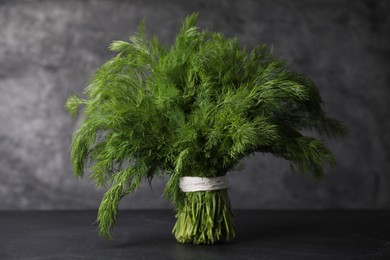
{"x":146,"y":234}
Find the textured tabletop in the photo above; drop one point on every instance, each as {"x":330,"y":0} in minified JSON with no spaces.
{"x":146,"y":234}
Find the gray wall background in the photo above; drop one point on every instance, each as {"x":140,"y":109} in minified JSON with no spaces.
{"x":49,"y":49}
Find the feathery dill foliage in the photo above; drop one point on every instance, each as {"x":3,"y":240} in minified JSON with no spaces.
{"x":194,"y":109}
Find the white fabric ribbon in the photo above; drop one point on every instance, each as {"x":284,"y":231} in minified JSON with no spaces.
{"x":191,"y":184}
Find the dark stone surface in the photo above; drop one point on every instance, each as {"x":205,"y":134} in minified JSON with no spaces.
{"x":311,"y":235}
{"x":49,"y":49}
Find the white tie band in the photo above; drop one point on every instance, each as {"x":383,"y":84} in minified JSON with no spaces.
{"x":191,"y":184}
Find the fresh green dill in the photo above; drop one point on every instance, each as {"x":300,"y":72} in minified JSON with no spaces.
{"x":193,"y":109}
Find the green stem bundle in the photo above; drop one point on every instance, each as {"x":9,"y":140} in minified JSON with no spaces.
{"x":205,"y":218}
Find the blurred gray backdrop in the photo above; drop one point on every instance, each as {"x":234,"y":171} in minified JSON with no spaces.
{"x":49,"y":49}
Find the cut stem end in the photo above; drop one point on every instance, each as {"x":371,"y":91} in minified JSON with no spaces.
{"x":205,"y":218}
